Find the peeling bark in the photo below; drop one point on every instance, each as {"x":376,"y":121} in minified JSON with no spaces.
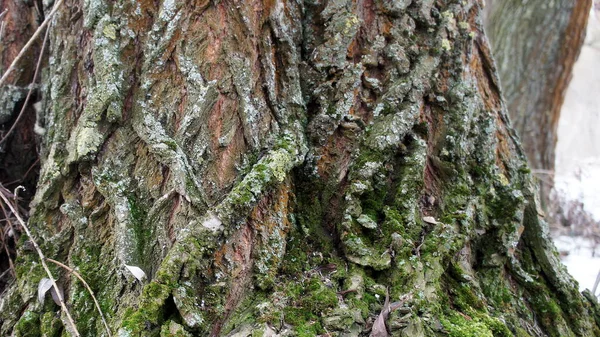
{"x":279,"y":167}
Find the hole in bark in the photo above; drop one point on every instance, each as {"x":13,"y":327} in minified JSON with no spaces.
{"x":170,"y":310}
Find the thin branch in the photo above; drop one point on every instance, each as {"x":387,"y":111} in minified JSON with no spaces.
{"x":596,"y":284}
{"x":3,"y":24}
{"x":24,"y":175}
{"x":542,"y":171}
{"x":72,"y":271}
{"x":44,"y":265}
{"x":37,"y":69}
{"x":2,"y":30}
{"x":4,"y":273}
{"x":7,"y":217}
{"x":30,"y":42}
{"x":11,"y":265}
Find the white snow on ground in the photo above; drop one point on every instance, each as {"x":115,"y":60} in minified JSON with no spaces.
{"x":582,"y":184}
{"x":581,"y":262}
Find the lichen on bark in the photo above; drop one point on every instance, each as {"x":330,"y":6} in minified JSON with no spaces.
{"x":283,"y":167}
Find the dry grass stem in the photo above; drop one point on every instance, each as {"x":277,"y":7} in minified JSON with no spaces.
{"x":72,"y":271}
{"x":44,"y":265}
{"x":8,"y":220}
{"x":596,"y":284}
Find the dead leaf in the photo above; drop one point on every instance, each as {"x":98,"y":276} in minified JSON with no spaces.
{"x":379,"y":329}
{"x":137,"y":272}
{"x":430,"y":219}
{"x":43,"y":287}
{"x":55,"y":297}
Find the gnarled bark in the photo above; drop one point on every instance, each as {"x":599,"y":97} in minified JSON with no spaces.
{"x":284,"y":167}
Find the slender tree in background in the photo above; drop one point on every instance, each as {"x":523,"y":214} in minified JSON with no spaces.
{"x":535,"y":45}
{"x":336,"y":168}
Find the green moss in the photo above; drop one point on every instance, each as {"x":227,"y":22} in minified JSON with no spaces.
{"x":498,"y":328}
{"x":495,"y":288}
{"x":173,"y":329}
{"x":143,"y":231}
{"x":27,"y":266}
{"x":503,"y":202}
{"x":309,"y":329}
{"x":465,"y":298}
{"x":51,"y":325}
{"x":246,"y":313}
{"x":520,"y":332}
{"x":28,"y":325}
{"x":320,"y":296}
{"x":457,"y":325}
{"x":295,"y":260}
{"x":150,"y":311}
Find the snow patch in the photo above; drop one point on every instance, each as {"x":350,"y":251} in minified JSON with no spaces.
{"x":581,"y":258}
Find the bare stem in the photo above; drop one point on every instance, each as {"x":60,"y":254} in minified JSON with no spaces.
{"x":596,"y":284}
{"x":44,"y":265}
{"x":72,"y":271}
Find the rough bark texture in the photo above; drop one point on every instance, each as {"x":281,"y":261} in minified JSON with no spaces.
{"x":535,"y":44}
{"x":281,"y":166}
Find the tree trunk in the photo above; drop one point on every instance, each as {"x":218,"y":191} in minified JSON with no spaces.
{"x":284,"y":167}
{"x":536,"y":44}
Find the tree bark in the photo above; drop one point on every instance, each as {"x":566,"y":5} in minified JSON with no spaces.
{"x":536,"y":44}
{"x":284,"y":167}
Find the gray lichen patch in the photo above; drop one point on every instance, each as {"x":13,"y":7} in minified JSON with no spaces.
{"x":9,"y":98}
{"x":161,"y":35}
{"x":115,"y":187}
{"x":341,"y":30}
{"x":270,"y":170}
{"x":105,"y":100}
{"x":93,"y":11}
{"x":106,"y":92}
{"x":250,"y":107}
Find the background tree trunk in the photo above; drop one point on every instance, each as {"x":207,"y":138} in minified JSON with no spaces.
{"x":535,"y":44}
{"x":283,"y":167}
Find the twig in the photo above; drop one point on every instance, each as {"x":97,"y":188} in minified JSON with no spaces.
{"x":4,"y":273}
{"x":37,"y":69}
{"x":3,"y":24}
{"x":7,"y":218}
{"x":24,"y":175}
{"x":542,"y":171}
{"x":44,"y":265}
{"x":596,"y":284}
{"x":30,"y":42}
{"x":11,"y":265}
{"x":72,"y":271}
